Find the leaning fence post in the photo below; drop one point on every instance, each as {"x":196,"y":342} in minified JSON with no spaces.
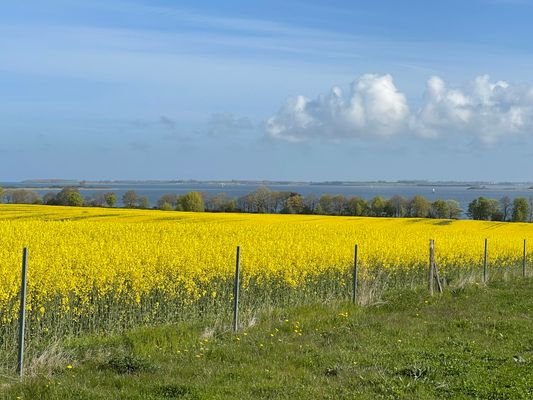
{"x":354,"y":282}
{"x":524,"y":260}
{"x":236,"y":291}
{"x":431,"y":263}
{"x":22,"y":313}
{"x":485,"y":261}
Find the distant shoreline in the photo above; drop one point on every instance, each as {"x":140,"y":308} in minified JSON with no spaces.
{"x":87,"y":184}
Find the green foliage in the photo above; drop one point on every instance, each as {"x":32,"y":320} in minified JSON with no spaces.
{"x":454,"y":209}
{"x":440,"y":209}
{"x":110,"y":199}
{"x":129,"y":199}
{"x":192,"y":201}
{"x":74,"y":199}
{"x":419,"y":207}
{"x":377,"y":206}
{"x":484,"y":209}
{"x":520,"y":209}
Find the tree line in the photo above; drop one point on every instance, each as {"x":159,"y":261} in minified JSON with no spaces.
{"x":266,"y":201}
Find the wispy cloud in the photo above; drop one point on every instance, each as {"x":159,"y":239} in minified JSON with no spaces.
{"x":228,"y":124}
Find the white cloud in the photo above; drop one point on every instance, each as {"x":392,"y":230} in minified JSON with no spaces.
{"x":486,"y":111}
{"x":373,"y":107}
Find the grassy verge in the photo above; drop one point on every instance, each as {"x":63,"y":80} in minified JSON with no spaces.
{"x":472,"y":342}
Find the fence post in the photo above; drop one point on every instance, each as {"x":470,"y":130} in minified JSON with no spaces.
{"x":22,"y":312}
{"x":485,"y":261}
{"x":236,"y":290}
{"x":354,"y":282}
{"x":524,"y":259}
{"x":431,"y":263}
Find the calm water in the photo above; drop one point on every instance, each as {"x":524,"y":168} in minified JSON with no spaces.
{"x":154,"y":191}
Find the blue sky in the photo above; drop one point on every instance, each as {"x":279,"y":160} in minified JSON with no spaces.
{"x":281,"y":90}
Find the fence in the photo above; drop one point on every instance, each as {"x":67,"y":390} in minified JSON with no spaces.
{"x":433,"y":278}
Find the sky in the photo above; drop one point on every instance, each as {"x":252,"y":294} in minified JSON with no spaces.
{"x":277,"y":90}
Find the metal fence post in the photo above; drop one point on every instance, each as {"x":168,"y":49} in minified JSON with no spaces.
{"x":485,"y":255}
{"x":354,"y":282}
{"x":236,"y":290}
{"x":22,"y":313}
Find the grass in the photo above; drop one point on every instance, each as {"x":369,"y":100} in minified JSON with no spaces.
{"x":472,"y":342}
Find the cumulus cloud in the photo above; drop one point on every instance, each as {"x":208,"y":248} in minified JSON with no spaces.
{"x":485,"y":110}
{"x":374,"y":106}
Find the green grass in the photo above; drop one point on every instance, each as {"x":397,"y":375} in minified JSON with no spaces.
{"x":473,"y":342}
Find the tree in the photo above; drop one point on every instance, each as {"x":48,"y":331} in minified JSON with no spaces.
{"x":520,"y":209}
{"x":439,"y":209}
{"x":221,"y":202}
{"x":294,"y":204}
{"x":192,"y":201}
{"x":338,"y":204}
{"x":129,"y":199}
{"x":506,"y":207}
{"x":483,"y":209}
{"x":325,"y":202}
{"x":96,"y":201}
{"x":143,"y":202}
{"x":396,"y":206}
{"x":454,"y":209}
{"x":376,"y":206}
{"x":262,"y":198}
{"x":68,"y":196}
{"x":110,"y":199}
{"x":74,"y":199}
{"x":167,"y":200}
{"x":310,"y":204}
{"x":419,"y":207}
{"x":22,"y":196}
{"x":355,"y":206}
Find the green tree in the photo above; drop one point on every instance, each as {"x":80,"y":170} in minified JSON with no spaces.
{"x":454,"y":209}
{"x":294,"y":204}
{"x":396,"y":206}
{"x":506,"y":207}
{"x":110,"y":199}
{"x":419,"y":207}
{"x":22,"y":196}
{"x":129,"y":199}
{"x":355,"y":206}
{"x":192,"y":201}
{"x":326,"y":204}
{"x":167,"y":200}
{"x":143,"y":202}
{"x":376,"y":206}
{"x":440,"y":209}
{"x":483,"y":209}
{"x":75,"y":199}
{"x":68,"y":196}
{"x":520,"y":209}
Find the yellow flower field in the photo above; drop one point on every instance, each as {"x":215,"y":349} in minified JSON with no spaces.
{"x":87,"y":253}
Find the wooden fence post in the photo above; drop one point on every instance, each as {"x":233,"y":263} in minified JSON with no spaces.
{"x":22,"y":312}
{"x":236,"y":290}
{"x":354,"y":282}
